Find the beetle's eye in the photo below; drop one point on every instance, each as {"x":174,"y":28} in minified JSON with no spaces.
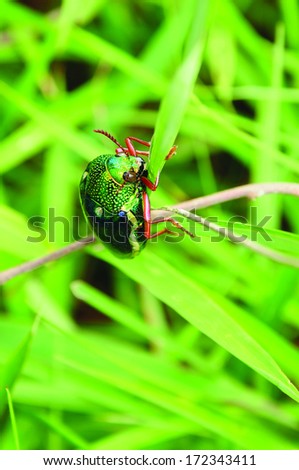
{"x":122,"y":213}
{"x":130,"y":176}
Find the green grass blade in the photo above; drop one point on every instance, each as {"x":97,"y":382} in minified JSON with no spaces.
{"x":279,"y":240}
{"x":118,"y":312}
{"x":13,"y":419}
{"x":176,"y":99}
{"x":203,"y":311}
{"x":56,"y":127}
{"x":11,"y":369}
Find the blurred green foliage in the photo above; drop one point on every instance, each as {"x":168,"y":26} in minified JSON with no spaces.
{"x":192,"y":344}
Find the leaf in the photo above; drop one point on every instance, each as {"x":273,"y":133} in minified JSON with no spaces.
{"x":11,"y":369}
{"x":127,"y":317}
{"x":176,"y":99}
{"x":199,"y":307}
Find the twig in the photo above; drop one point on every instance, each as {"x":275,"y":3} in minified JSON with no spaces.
{"x":272,"y":254}
{"x":36,"y":263}
{"x":249,"y":190}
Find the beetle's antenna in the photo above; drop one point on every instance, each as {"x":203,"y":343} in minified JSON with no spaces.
{"x":106,"y":134}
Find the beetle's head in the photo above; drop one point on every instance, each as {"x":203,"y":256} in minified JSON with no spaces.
{"x":125,"y":169}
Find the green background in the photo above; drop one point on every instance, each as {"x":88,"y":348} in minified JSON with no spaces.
{"x":193,"y":344}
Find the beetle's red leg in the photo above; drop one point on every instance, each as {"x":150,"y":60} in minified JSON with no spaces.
{"x":146,"y":215}
{"x":165,"y":229}
{"x":130,"y":150}
{"x":142,"y":152}
{"x":130,"y":147}
{"x":148,"y":222}
{"x":140,"y":141}
{"x":171,"y":152}
{"x":175,"y":223}
{"x":148,"y":183}
{"x":161,"y":232}
{"x":125,"y":150}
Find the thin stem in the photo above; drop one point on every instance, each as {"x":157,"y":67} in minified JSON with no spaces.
{"x":13,"y":419}
{"x":250,"y":191}
{"x":36,"y":263}
{"x":272,"y":254}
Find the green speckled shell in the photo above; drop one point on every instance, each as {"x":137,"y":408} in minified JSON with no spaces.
{"x":102,"y":199}
{"x":102,"y":189}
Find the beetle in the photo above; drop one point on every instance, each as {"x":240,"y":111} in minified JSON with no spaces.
{"x":114,"y":198}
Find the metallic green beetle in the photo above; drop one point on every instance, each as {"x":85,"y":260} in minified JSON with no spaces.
{"x":114,"y":199}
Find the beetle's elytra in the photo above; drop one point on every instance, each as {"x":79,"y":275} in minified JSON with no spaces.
{"x":113,"y":193}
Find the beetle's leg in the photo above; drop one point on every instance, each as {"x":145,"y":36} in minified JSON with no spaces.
{"x":166,"y":230}
{"x":161,"y":232}
{"x":149,"y":184}
{"x":148,"y":222}
{"x":171,"y":152}
{"x":146,"y":215}
{"x":175,"y":223}
{"x":125,"y":150}
{"x":140,"y":141}
{"x":130,"y":149}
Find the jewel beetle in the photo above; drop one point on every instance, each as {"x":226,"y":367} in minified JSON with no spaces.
{"x":114,"y":198}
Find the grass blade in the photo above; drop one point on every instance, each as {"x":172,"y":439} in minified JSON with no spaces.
{"x":175,"y":102}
